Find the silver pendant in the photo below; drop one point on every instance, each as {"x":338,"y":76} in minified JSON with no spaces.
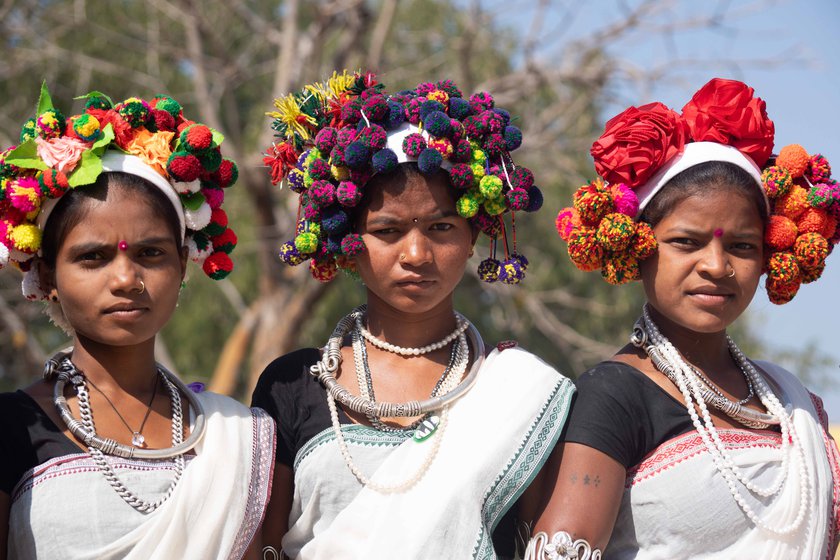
{"x":426,"y":428}
{"x":137,"y":440}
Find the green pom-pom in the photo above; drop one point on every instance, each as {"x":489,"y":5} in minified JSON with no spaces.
{"x":27,"y":132}
{"x":495,"y":206}
{"x":98,"y":102}
{"x":467,"y":206}
{"x":490,"y":186}
{"x":166,"y":103}
{"x":306,"y":242}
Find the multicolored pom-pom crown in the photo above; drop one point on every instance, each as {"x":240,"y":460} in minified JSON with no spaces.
{"x":334,"y":137}
{"x":152,"y":139}
{"x":644,"y":147}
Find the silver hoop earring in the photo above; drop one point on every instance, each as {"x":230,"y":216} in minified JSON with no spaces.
{"x":142,"y":287}
{"x":731,"y":274}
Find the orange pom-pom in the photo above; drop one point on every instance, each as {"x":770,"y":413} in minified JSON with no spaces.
{"x":808,"y":276}
{"x":620,"y":269}
{"x":567,"y":220}
{"x":810,"y":249}
{"x":584,"y":250}
{"x":644,"y":243}
{"x":782,"y":292}
{"x":782,"y":267}
{"x":793,"y":204}
{"x":593,"y":202}
{"x":615,"y":231}
{"x":781,"y":233}
{"x":795,"y":159}
{"x":813,"y":220}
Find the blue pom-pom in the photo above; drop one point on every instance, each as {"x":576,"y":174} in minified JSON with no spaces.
{"x":459,"y":108}
{"x":504,"y":114}
{"x":513,"y":137}
{"x":430,"y":106}
{"x":429,"y":161}
{"x":396,"y":115}
{"x":333,"y":244}
{"x":384,"y":161}
{"x":511,"y":272}
{"x":302,"y":159}
{"x":535,"y":199}
{"x":438,"y":124}
{"x":357,"y":155}
{"x":334,"y":221}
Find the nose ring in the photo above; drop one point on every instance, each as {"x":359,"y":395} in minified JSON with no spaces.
{"x":402,"y":257}
{"x":142,"y":287}
{"x":731,"y":274}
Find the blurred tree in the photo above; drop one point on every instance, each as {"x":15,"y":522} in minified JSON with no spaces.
{"x":226,"y":60}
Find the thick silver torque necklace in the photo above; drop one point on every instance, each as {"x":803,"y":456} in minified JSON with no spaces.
{"x":64,"y":371}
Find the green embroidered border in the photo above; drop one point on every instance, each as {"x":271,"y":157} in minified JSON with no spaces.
{"x":353,"y":433}
{"x":524,"y":465}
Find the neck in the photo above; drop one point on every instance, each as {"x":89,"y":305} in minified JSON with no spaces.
{"x":131,"y":368}
{"x":409,"y":329}
{"x":707,"y":351}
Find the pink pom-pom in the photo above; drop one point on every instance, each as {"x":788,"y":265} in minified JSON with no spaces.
{"x":625,"y":199}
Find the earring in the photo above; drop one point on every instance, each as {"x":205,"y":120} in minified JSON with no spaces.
{"x":142,"y":287}
{"x":54,"y":296}
{"x":472,"y":251}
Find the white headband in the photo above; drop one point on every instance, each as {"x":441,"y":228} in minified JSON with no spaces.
{"x":116,"y":161}
{"x":693,"y":154}
{"x":399,"y":134}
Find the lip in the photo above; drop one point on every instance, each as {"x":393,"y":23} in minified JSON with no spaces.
{"x":416,"y":283}
{"x":126,"y":310}
{"x":711,"y":295}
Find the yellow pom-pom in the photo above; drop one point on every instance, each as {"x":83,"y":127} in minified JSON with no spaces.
{"x":615,"y":231}
{"x":26,"y":237}
{"x":467,"y":206}
{"x":794,"y":158}
{"x":340,"y":173}
{"x":495,"y":206}
{"x":490,"y":186}
{"x":306,"y":242}
{"x":478,"y":173}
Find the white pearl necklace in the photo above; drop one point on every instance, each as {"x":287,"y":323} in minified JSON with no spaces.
{"x":691,"y":387}
{"x":403,"y":351}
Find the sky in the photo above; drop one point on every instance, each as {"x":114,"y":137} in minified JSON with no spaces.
{"x":789,"y":52}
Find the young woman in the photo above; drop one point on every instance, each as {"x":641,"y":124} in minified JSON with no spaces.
{"x":403,"y":436}
{"x":680,"y":446}
{"x":110,"y":455}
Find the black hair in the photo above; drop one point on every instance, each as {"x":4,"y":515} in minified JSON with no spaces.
{"x":73,"y":206}
{"x":700,"y":179}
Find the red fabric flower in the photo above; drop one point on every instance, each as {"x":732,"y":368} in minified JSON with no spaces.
{"x":123,"y":133}
{"x":727,"y":112}
{"x":637,"y":142}
{"x":281,"y":158}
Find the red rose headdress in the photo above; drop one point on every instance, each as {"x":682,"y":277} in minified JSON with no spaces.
{"x":643,"y":148}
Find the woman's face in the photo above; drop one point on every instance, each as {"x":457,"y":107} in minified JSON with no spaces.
{"x":688,"y":281}
{"x":417,"y":244}
{"x":119,"y":243}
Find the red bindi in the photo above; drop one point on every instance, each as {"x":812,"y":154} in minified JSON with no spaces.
{"x":122,"y":245}
{"x":718,"y":232}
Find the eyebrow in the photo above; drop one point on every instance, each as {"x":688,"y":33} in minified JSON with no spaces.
{"x":386,"y":220}
{"x":683,"y":230}
{"x":98,"y":245}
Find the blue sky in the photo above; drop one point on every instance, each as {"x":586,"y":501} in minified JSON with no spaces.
{"x":787,"y":51}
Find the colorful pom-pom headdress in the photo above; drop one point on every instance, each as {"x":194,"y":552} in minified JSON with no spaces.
{"x":645,"y":147}
{"x":150,"y":139}
{"x":334,"y":137}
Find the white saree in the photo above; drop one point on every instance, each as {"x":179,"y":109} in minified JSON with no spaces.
{"x":676,"y":504}
{"x":65,"y":509}
{"x":498,"y":436}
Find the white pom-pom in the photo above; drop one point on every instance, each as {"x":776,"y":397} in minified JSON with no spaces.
{"x":188,"y":188}
{"x":31,"y":286}
{"x":196,"y":255}
{"x":4,"y":255}
{"x":198,"y":219}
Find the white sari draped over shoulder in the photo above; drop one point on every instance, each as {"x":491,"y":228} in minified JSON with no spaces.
{"x":65,"y":509}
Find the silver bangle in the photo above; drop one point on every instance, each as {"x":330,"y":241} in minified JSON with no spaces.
{"x":560,"y":547}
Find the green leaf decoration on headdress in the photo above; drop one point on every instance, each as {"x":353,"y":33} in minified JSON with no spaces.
{"x":89,"y":168}
{"x":91,"y":94}
{"x":106,"y":138}
{"x":44,"y":100}
{"x":25,"y":156}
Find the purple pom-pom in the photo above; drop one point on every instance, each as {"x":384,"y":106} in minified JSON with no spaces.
{"x":290,"y":255}
{"x":488,"y":270}
{"x":396,"y":115}
{"x":511,"y":271}
{"x":334,"y":221}
{"x":413,"y":145}
{"x":320,"y":169}
{"x":517,"y":199}
{"x":428,"y":107}
{"x":459,"y":108}
{"x":348,"y":194}
{"x":461,"y":176}
{"x":437,"y":124}
{"x":295,"y":180}
{"x":384,"y":161}
{"x":513,"y":137}
{"x":522,"y":178}
{"x":535,"y":201}
{"x":301,"y":160}
{"x":523,"y":262}
{"x":429,"y":161}
{"x":326,"y":140}
{"x":352,"y":244}
{"x":322,"y":193}
{"x":357,"y":155}
{"x":504,"y":114}
{"x":333,"y":244}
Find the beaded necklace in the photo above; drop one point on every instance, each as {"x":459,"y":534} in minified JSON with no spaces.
{"x":647,"y":335}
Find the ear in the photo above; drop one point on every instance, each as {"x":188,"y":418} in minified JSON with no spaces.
{"x":475,"y":233}
{"x":46,"y":278}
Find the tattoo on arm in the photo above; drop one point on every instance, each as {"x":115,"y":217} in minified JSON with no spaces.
{"x":587,"y":479}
